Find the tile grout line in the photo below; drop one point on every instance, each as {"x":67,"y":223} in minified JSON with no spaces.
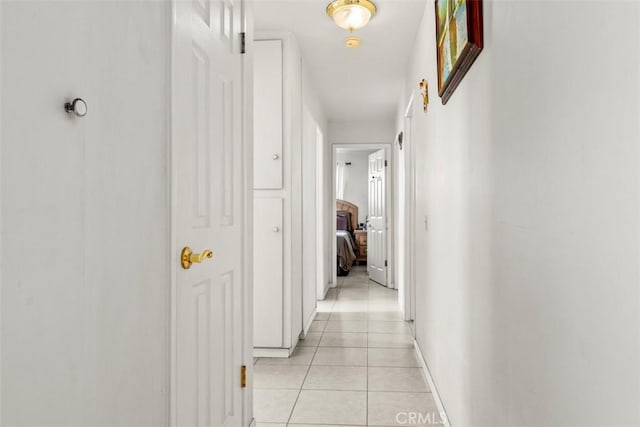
{"x":343,"y":366}
{"x":346,"y":389}
{"x":344,"y":297}
{"x":341,"y":289}
{"x":315,"y":352}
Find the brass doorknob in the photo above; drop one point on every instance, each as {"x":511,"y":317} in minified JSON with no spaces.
{"x":187,"y":257}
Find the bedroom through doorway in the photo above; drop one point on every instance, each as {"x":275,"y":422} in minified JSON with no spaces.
{"x":362,"y":211}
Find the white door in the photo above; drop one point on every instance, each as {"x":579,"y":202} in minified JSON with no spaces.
{"x":206,"y":141}
{"x":377,"y":229}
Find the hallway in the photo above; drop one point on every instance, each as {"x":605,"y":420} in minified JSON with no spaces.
{"x":357,"y":365}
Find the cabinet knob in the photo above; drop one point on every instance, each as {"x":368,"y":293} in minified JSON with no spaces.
{"x":275,"y":157}
{"x":77,"y":107}
{"x":276,"y":229}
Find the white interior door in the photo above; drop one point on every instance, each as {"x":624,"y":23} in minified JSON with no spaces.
{"x":206,"y":145}
{"x":377,"y":229}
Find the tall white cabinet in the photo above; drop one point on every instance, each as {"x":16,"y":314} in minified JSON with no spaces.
{"x":277,"y":196}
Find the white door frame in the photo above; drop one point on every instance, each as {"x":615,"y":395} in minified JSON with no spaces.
{"x":311,"y":218}
{"x":246,"y":282}
{"x":389,"y":205}
{"x":321,"y":284}
{"x":409,"y":303}
{"x":1,"y":199}
{"x":246,"y":64}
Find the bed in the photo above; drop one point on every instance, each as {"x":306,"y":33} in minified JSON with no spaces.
{"x":346,"y":223}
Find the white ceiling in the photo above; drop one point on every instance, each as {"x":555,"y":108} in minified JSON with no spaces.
{"x":353,"y":84}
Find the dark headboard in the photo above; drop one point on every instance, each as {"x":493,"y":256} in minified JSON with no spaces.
{"x":343,"y":205}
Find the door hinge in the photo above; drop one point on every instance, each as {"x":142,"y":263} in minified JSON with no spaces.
{"x":385,"y":164}
{"x":243,"y":376}
{"x":385,"y":263}
{"x":243,"y":42}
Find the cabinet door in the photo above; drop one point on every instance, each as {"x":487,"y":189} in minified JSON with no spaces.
{"x":267,"y":115}
{"x":267,"y":273}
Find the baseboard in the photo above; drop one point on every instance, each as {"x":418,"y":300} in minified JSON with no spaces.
{"x":306,"y":328}
{"x":327,"y":286}
{"x":432,"y":385}
{"x":271,"y":352}
{"x":326,"y":290}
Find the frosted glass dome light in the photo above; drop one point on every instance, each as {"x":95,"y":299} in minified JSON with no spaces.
{"x":351,"y":14}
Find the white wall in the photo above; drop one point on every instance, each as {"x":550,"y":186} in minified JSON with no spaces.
{"x":354,"y":132}
{"x":314,"y":281}
{"x":528,"y":307}
{"x":85,"y":227}
{"x":328,"y":204}
{"x":293,"y":131}
{"x":356,"y":189}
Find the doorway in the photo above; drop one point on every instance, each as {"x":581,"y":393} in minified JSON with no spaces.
{"x":405,"y":202}
{"x":351,"y":183}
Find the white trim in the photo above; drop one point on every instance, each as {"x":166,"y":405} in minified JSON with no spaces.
{"x":325,"y":291}
{"x":432,"y":385}
{"x":246,"y":61}
{"x":321,"y":287}
{"x":252,"y":423}
{"x":1,"y":234}
{"x":334,"y":245}
{"x":305,"y":329}
{"x":271,"y":352}
{"x":408,"y":112}
{"x":388,"y":147}
{"x":173,"y":186}
{"x":311,"y":266}
{"x":409,"y":304}
{"x":413,"y":229}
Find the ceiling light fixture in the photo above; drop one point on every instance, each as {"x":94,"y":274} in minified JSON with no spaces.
{"x":352,"y":41}
{"x":351,"y":14}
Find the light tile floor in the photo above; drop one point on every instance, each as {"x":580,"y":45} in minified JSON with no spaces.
{"x":357,"y":366}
